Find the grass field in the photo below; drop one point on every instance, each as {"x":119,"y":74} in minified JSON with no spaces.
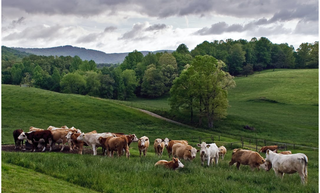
{"x":280,"y":120}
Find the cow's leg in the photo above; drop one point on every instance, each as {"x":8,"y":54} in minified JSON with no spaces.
{"x":94,"y":149}
{"x":216,"y":160}
{"x":209,"y":160}
{"x":140,"y":152}
{"x":238,"y":165}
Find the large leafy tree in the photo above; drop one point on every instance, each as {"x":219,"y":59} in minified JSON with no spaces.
{"x":73,"y":83}
{"x":169,"y":69}
{"x":130,"y":83}
{"x":153,"y":82}
{"x":205,"y":84}
{"x":236,"y":59}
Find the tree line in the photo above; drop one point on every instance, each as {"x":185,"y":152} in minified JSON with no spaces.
{"x":151,"y":75}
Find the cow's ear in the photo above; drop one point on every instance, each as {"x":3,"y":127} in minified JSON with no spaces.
{"x":147,"y":139}
{"x":275,"y":151}
{"x":208,"y":145}
{"x":189,"y":150}
{"x":199,"y":145}
{"x":169,"y":139}
{"x":198,"y":150}
{"x":267,"y":152}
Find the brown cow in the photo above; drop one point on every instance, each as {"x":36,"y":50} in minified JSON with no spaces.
{"x":158,"y":146}
{"x":60,"y":136}
{"x":265,"y":148}
{"x":183,"y":151}
{"x":222,"y":151}
{"x":17,"y":142}
{"x":143,"y":145}
{"x":247,"y":157}
{"x":35,"y":129}
{"x":115,"y":144}
{"x":175,"y":163}
{"x":168,"y":143}
{"x":285,"y":152}
{"x":33,"y":138}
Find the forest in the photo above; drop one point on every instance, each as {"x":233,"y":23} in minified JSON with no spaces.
{"x":152,"y":75}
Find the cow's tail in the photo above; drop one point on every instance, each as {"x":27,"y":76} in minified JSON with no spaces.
{"x":304,"y":161}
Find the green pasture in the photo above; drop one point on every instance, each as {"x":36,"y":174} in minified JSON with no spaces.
{"x":274,"y":118}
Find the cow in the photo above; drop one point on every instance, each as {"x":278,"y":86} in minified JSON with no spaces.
{"x":209,"y":152}
{"x":158,"y":146}
{"x":247,"y":157}
{"x":60,"y":136}
{"x":33,"y":138}
{"x":54,"y":128}
{"x":168,"y":143}
{"x":174,"y":164}
{"x":183,"y":151}
{"x":131,"y":137}
{"x":93,"y":140}
{"x":74,"y":143}
{"x":143,"y":145}
{"x":115,"y":144}
{"x":222,"y":151}
{"x":285,"y":152}
{"x":289,"y":164}
{"x":265,"y":148}
{"x":17,"y":142}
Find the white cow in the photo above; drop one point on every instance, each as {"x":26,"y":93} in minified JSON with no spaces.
{"x":93,"y":140}
{"x":209,"y":152}
{"x":288,"y":164}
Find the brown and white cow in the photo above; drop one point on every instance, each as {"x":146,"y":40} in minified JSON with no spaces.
{"x":158,"y":146}
{"x":93,"y":140}
{"x":247,"y":157}
{"x":168,"y":143}
{"x":289,"y":164}
{"x":265,"y":148}
{"x":17,"y":142}
{"x":183,"y":151}
{"x":60,"y":136}
{"x":143,"y":145}
{"x":34,"y":137}
{"x":112,"y":144}
{"x":174,"y":164}
{"x":76,"y":144}
{"x":222,"y":151}
{"x":35,"y":129}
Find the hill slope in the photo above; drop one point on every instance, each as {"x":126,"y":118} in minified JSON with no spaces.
{"x":85,"y":54}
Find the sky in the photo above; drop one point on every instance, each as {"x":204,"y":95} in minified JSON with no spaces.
{"x":116,"y":26}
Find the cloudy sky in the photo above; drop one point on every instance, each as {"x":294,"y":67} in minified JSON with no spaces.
{"x":115,"y":26}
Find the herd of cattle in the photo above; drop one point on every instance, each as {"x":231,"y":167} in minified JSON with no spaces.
{"x":283,"y":162}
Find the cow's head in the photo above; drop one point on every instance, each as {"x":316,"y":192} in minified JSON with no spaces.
{"x":266,"y":166}
{"x":193,"y":152}
{"x":177,"y":161}
{"x":203,"y":148}
{"x":68,"y":136}
{"x":166,"y":141}
{"x":158,"y":142}
{"x":22,"y":136}
{"x":81,"y":137}
{"x":143,"y":141}
{"x":134,"y":138}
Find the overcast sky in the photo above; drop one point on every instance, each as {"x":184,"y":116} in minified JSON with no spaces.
{"x":115,"y":26}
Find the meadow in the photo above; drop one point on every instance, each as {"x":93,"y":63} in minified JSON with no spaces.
{"x":276,"y":117}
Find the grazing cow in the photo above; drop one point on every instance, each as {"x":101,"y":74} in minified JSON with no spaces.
{"x":158,"y":146}
{"x":35,"y":129}
{"x":265,"y":148}
{"x":74,"y":143}
{"x":209,"y":152}
{"x":33,"y":138}
{"x":222,"y":151}
{"x":174,"y":164}
{"x":60,"y":136}
{"x":247,"y":157}
{"x":115,"y":144}
{"x":143,"y":145}
{"x":93,"y":140}
{"x":17,"y":142}
{"x":168,"y":143}
{"x":183,"y":151}
{"x":289,"y":164}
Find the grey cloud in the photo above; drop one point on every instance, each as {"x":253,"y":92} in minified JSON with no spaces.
{"x":88,"y":38}
{"x":135,"y":32}
{"x":220,"y":28}
{"x":307,"y":28}
{"x":156,"y":27}
{"x":110,"y":29}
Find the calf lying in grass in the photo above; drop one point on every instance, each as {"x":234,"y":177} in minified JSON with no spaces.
{"x":173,"y":164}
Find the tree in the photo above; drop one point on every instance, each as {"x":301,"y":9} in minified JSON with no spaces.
{"x":38,"y":77}
{"x":16,"y":73}
{"x":106,"y":86}
{"x":153,"y":82}
{"x":56,"y":80}
{"x":92,"y":83}
{"x":236,"y":59}
{"x":263,"y":51}
{"x":207,"y":85}
{"x":182,"y":49}
{"x":76,"y":62}
{"x":247,"y":69}
{"x":169,"y":69}
{"x":131,"y":60}
{"x":130,"y":83}
{"x":73,"y":83}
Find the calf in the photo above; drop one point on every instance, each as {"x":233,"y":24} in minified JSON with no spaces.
{"x":17,"y":142}
{"x":289,"y":164}
{"x":174,"y":164}
{"x":285,"y":152}
{"x":35,"y":129}
{"x":143,"y":145}
{"x":265,"y":148}
{"x":115,"y":144}
{"x":168,"y":143}
{"x":222,"y":151}
{"x":247,"y":157}
{"x":183,"y":151}
{"x":209,"y":152}
{"x":34,"y":137}
{"x":158,"y":146}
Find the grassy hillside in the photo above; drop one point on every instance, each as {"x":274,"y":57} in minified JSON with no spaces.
{"x":281,"y":105}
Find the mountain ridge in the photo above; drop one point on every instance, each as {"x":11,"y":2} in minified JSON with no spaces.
{"x":85,"y":54}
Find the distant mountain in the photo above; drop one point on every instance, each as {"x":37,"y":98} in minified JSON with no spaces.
{"x":85,"y":54}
